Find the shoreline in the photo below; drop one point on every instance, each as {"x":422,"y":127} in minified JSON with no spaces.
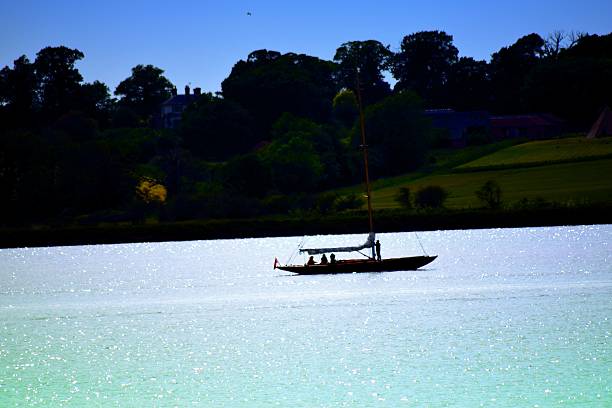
{"x":384,"y":221}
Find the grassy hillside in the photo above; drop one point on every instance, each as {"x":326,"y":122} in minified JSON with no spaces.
{"x":544,"y":151}
{"x":566,"y":182}
{"x":567,"y":171}
{"x":441,"y":161}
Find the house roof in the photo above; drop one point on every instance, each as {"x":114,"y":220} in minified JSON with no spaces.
{"x":180,"y":100}
{"x":533,"y":120}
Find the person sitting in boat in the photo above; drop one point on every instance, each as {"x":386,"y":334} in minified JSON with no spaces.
{"x":332,"y":259}
{"x":311,"y":261}
{"x":377,"y":245}
{"x":324,"y":260}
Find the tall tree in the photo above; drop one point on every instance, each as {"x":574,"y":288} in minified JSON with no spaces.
{"x":469,"y":85}
{"x":94,"y":100}
{"x":268,"y":84}
{"x":214,"y":128}
{"x":589,"y":46}
{"x":346,"y":107}
{"x":58,"y":79}
{"x":18,"y":87}
{"x":510,"y":67}
{"x":144,"y":90}
{"x":369,"y":59}
{"x":424,"y":63}
{"x":576,"y":84}
{"x":397,"y":132}
{"x":559,"y":41}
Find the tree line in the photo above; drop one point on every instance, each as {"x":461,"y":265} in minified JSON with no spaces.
{"x":282,"y":129}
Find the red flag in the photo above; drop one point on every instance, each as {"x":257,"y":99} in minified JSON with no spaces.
{"x":275,"y":262}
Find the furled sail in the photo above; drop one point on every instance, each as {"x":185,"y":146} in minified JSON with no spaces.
{"x":315,"y":251}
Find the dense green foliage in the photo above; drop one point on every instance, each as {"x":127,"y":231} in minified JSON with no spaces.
{"x":430,"y":197}
{"x":269,"y":84}
{"x":361,"y":63}
{"x":144,"y":91}
{"x":284,"y":131}
{"x":424,"y":64}
{"x":214,"y":128}
{"x":398,"y":134}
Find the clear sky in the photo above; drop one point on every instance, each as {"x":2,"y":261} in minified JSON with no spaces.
{"x":198,"y":41}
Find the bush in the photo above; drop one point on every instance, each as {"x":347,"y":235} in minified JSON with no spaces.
{"x":325,"y":203}
{"x":404,"y":198}
{"x":537,"y":203}
{"x":348,"y":202}
{"x":490,"y":194}
{"x":430,"y":197}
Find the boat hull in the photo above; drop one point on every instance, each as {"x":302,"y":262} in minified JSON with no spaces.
{"x":410,"y":263}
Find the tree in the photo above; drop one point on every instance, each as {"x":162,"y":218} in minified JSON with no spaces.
{"x":94,"y":100}
{"x":510,"y":67}
{"x":150,"y":190}
{"x":323,"y":140}
{"x":368,"y":59}
{"x":559,"y":41}
{"x":58,"y":80}
{"x":490,"y":194}
{"x":589,"y":46}
{"x":404,"y":197}
{"x":469,"y":85}
{"x":74,"y":126}
{"x":247,"y":175}
{"x":424,"y":63}
{"x":576,"y":84}
{"x":348,"y":202}
{"x":430,"y":197}
{"x":144,"y":90}
{"x":346,"y":108}
{"x":397,"y":133}
{"x":18,"y":96}
{"x":269,"y":84}
{"x":294,"y":164}
{"x":26,"y":177}
{"x":214,"y":128}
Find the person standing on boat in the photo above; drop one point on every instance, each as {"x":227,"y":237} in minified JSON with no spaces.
{"x":324,"y":260}
{"x":377,"y":245}
{"x":332,"y":259}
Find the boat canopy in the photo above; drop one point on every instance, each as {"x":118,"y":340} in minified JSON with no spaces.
{"x":368,"y":244}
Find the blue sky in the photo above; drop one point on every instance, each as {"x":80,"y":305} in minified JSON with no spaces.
{"x":198,"y":42}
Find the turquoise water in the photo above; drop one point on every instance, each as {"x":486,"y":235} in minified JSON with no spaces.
{"x":503,"y":318}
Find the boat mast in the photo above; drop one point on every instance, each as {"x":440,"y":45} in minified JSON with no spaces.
{"x":364,"y":148}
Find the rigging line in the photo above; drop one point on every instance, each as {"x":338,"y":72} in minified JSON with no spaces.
{"x":419,"y":241}
{"x":361,"y":253}
{"x":297,"y":251}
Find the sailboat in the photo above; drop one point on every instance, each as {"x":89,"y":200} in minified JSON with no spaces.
{"x":372,"y":263}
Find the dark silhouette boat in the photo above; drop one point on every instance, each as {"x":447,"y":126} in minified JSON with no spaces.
{"x":373,"y":263}
{"x":410,"y":263}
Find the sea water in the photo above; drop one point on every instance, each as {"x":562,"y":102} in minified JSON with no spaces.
{"x":503,"y":318}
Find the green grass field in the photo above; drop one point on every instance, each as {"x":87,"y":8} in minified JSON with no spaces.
{"x":585,"y":180}
{"x":544,"y":151}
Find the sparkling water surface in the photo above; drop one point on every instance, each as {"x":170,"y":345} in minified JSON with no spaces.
{"x":503,"y":318}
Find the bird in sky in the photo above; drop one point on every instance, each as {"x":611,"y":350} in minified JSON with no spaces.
{"x":249,"y":13}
